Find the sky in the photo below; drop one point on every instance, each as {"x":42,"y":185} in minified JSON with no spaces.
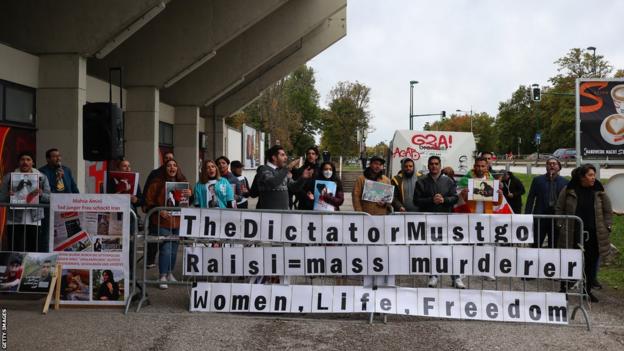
{"x":464,"y":53}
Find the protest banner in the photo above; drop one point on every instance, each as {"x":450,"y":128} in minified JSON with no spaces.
{"x":90,"y":233}
{"x":323,"y":187}
{"x":377,"y":191}
{"x":339,"y":228}
{"x":118,"y":182}
{"x":487,"y":305}
{"x":26,"y":272}
{"x":23,"y":188}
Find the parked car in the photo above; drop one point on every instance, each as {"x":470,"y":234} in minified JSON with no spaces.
{"x":533,"y":156}
{"x":565,"y":154}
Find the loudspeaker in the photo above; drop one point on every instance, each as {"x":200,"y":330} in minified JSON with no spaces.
{"x":102,"y":132}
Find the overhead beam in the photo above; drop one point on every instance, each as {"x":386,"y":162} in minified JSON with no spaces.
{"x":68,"y":26}
{"x":188,"y":34}
{"x":326,"y":34}
{"x":255,"y":48}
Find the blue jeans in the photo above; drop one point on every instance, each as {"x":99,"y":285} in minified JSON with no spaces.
{"x":168,"y":251}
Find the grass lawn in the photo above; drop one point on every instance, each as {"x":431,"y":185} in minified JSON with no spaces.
{"x":612,"y":274}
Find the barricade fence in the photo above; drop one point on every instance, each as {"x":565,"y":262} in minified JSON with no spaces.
{"x":228,"y":251}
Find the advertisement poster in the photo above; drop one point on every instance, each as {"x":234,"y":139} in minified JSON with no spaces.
{"x":323,"y":187}
{"x":23,"y":272}
{"x":377,"y":191}
{"x":483,"y":190}
{"x":251,"y":148}
{"x":601,"y":114}
{"x":91,"y":233}
{"x":121,"y":183}
{"x":24,"y":188}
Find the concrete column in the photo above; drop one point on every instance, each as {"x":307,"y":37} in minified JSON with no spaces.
{"x":61,"y":94}
{"x":186,"y":141}
{"x":215,"y":132}
{"x":141,"y":129}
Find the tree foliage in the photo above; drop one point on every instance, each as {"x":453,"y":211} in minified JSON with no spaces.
{"x":288,"y":110}
{"x":482,"y":127}
{"x":347,"y":114}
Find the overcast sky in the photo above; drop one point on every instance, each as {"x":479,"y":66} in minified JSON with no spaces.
{"x":463,"y":52}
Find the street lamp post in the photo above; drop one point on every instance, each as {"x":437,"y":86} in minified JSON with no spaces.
{"x":462,"y":111}
{"x":593,"y":49}
{"x":411,"y":123}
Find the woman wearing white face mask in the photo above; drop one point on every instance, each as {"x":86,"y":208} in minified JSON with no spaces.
{"x":327,"y":173}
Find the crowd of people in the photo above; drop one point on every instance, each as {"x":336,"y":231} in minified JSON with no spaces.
{"x":281,"y":185}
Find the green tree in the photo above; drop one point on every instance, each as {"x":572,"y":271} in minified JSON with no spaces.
{"x":348,"y":112}
{"x":288,"y":110}
{"x":482,"y":126}
{"x":381,"y":149}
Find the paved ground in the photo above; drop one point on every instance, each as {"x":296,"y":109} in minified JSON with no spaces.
{"x":166,"y":324}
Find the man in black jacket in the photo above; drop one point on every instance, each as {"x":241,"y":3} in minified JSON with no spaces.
{"x":273,"y":182}
{"x":436,"y":192}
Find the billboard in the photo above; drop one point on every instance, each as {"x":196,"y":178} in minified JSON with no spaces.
{"x":600,"y":119}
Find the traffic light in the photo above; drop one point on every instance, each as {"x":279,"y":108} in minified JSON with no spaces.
{"x":443,"y":114}
{"x":536,"y":93}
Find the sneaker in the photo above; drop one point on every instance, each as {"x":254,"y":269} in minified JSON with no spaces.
{"x":171,"y":278}
{"x":163,"y":282}
{"x":490,"y":278}
{"x":459,"y":284}
{"x":151,"y":265}
{"x":433,"y":282}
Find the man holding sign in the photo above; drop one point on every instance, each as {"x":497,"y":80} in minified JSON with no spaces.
{"x":373,"y":173}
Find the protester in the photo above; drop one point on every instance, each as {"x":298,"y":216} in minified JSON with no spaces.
{"x":480,"y":173}
{"x":489,"y":157}
{"x":109,"y":288}
{"x":165,"y":223}
{"x":404,"y":185}
{"x":59,"y":177}
{"x":513,"y":189}
{"x":24,"y":226}
{"x":237,"y":170}
{"x":449,"y":172}
{"x":152,"y":247}
{"x":223,"y":164}
{"x":273,"y":183}
{"x":327,"y":173}
{"x":213,"y":190}
{"x":311,"y":161}
{"x":542,"y":198}
{"x":586,"y":198}
{"x":435,"y":192}
{"x":373,"y":172}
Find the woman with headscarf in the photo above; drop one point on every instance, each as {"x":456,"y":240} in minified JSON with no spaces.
{"x":586,"y":198}
{"x":166,"y":223}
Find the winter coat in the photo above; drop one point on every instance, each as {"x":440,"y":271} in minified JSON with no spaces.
{"x":427,"y":187}
{"x":566,"y":205}
{"x":537,"y":200}
{"x":369,"y":207}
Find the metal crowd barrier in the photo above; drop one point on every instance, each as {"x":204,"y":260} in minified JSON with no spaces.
{"x":541,"y":223}
{"x":143,"y":280}
{"x":41,"y":234}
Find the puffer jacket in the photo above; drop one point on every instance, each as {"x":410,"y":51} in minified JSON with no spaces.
{"x":566,"y":205}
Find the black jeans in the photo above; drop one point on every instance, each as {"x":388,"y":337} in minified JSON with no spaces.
{"x":545,"y":228}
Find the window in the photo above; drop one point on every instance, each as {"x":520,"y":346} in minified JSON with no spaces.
{"x":17,"y":104}
{"x":165,"y":134}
